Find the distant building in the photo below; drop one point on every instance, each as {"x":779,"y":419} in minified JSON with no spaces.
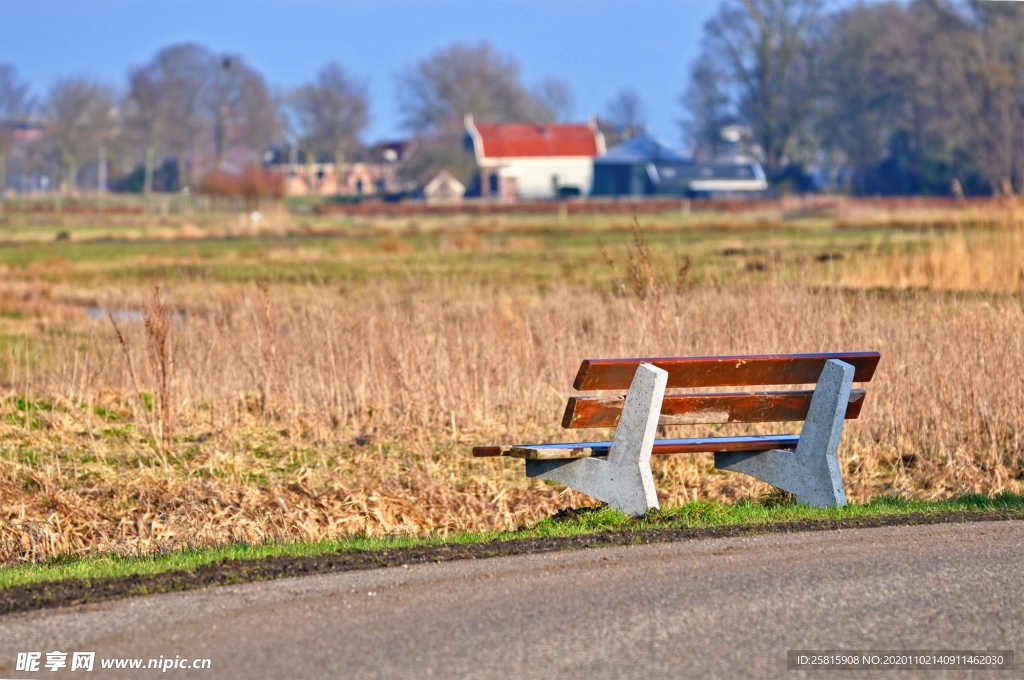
{"x":532,"y":161}
{"x":643,"y":166}
{"x":373,"y":170}
{"x":22,"y":131}
{"x":701,"y":179}
{"x":327,"y":179}
{"x":736,"y":144}
{"x":623,"y":170}
{"x":21,"y":176}
{"x":444,"y":188}
{"x":392,"y":151}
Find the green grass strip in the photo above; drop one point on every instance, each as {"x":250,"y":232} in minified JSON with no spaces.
{"x":697,"y":514}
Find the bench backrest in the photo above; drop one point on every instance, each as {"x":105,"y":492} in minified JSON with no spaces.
{"x":690,"y":372}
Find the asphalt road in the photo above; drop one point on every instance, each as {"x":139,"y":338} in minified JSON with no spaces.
{"x":726,"y":608}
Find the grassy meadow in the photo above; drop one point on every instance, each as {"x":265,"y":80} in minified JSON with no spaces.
{"x":174,"y":379}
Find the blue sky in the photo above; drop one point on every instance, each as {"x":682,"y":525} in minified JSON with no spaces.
{"x":597,"y":46}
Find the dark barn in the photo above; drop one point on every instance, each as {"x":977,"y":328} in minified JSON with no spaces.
{"x":643,"y":166}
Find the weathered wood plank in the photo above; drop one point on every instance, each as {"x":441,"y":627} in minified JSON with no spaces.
{"x":693,"y":409}
{"x":757,"y":369}
{"x":661,"y":446}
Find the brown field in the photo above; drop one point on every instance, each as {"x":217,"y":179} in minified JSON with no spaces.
{"x":329,"y":376}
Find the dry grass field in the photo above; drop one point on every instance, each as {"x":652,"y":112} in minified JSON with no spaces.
{"x":198,"y":381}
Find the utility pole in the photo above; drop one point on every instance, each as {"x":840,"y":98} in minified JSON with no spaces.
{"x":102,"y":171}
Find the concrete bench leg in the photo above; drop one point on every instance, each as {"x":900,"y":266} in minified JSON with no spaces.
{"x":623,"y":480}
{"x":812,"y":471}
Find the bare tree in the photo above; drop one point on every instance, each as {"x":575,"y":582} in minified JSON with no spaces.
{"x":79,"y":116}
{"x":555,"y":100}
{"x":764,"y":48}
{"x":328,"y":114}
{"x":708,"y":108}
{"x":463,"y":79}
{"x":239,"y":106}
{"x":441,"y":149}
{"x":146,"y":113}
{"x":624,"y":117}
{"x":16,"y":104}
{"x":187,"y":92}
{"x":995,"y":59}
{"x":181,"y":74}
{"x":259,"y":114}
{"x":626,"y":111}
{"x":15,"y":100}
{"x":164,"y":107}
{"x":917,"y":96}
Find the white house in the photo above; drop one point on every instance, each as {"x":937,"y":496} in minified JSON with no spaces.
{"x":529,"y":161}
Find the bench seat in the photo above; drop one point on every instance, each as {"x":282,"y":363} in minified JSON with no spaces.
{"x":661,"y":446}
{"x":618,"y":472}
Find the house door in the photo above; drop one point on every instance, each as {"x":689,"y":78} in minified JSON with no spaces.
{"x":511,"y":188}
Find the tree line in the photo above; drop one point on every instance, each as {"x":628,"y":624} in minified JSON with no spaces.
{"x":178,"y":116}
{"x":889,"y":98}
{"x":906,"y":98}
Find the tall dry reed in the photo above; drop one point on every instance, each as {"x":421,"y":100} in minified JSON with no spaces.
{"x":302,"y":413}
{"x":956,"y":260}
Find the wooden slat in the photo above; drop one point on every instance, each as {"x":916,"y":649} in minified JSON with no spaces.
{"x":757,"y":369}
{"x":661,"y":447}
{"x":693,"y":409}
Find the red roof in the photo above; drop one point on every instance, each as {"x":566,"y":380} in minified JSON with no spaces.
{"x":520,"y":140}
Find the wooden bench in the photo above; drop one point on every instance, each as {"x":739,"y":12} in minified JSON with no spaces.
{"x":618,"y":472}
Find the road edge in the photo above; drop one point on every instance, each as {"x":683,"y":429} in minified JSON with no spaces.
{"x":72,"y":592}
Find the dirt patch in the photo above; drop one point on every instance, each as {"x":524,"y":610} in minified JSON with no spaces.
{"x":73,"y":592}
